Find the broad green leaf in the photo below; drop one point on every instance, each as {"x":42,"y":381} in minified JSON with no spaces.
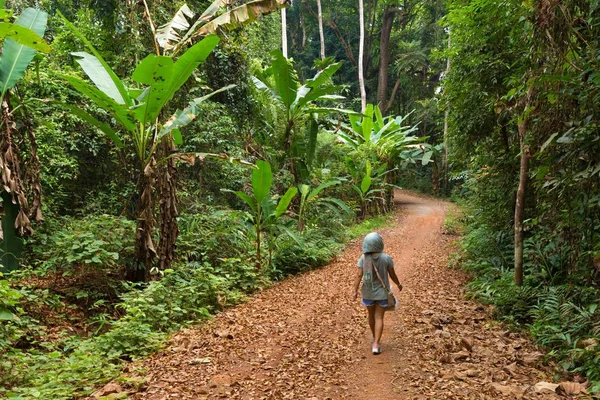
{"x":177,"y":138}
{"x":365,"y":184}
{"x":426,"y":157}
{"x":304,"y":188}
{"x":285,"y":200}
{"x":339,"y":203}
{"x":355,"y":123}
{"x":6,"y":315}
{"x":118,"y":83}
{"x":262,"y":178}
{"x":247,"y":199}
{"x":291,"y":234}
{"x":330,"y":110}
{"x":156,"y":71}
{"x":315,"y":192}
{"x":183,"y":117}
{"x":189,"y":61}
{"x":84,"y":115}
{"x":16,"y":57}
{"x":96,"y":72}
{"x":24,"y":36}
{"x":286,"y":83}
{"x":168,"y":33}
{"x":323,"y":76}
{"x":379,"y":117}
{"x":367,"y":123}
{"x":305,"y":95}
{"x":119,"y":111}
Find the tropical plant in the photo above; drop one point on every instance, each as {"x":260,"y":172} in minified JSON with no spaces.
{"x":280,"y":83}
{"x":391,"y":142}
{"x":310,"y":198}
{"x":19,"y":180}
{"x":137,"y":110}
{"x":265,"y":210}
{"x":368,"y":193}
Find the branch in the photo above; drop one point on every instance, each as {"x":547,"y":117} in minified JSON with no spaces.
{"x":337,"y":32}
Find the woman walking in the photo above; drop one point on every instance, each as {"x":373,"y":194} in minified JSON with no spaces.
{"x":374,"y":269}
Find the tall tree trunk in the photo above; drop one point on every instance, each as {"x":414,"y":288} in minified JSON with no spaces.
{"x":520,"y":203}
{"x":144,"y":244}
{"x":361,"y":50}
{"x":167,"y":198}
{"x":384,"y":57}
{"x":446,"y":116}
{"x":284,"y":48}
{"x":321,"y":35}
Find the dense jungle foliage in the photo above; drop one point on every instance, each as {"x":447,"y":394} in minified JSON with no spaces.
{"x":161,"y":161}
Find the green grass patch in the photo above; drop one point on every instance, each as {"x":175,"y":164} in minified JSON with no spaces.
{"x":370,"y":225}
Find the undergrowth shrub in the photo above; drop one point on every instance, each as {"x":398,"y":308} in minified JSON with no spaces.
{"x":558,"y":309}
{"x":314,"y":250}
{"x":95,"y":241}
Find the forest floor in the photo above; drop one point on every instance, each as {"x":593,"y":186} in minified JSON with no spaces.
{"x":305,"y":338}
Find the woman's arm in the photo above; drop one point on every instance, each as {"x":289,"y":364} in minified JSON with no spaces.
{"x":357,"y":279}
{"x":394,"y":278}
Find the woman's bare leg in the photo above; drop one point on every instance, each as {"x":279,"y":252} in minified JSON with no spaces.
{"x":371,"y":311}
{"x":379,"y":313}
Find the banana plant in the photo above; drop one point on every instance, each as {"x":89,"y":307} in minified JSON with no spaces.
{"x":265,"y":210}
{"x":297,"y":103}
{"x":181,"y":31}
{"x":389,"y":134}
{"x":22,"y":39}
{"x":372,"y":187}
{"x":309,"y":198}
{"x":137,"y":111}
{"x":391,"y":138}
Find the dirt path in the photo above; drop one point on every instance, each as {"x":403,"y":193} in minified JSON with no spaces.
{"x":305,"y":339}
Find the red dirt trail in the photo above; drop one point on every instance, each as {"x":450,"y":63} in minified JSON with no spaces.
{"x":305,"y":338}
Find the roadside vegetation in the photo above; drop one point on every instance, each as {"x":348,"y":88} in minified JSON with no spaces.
{"x":161,"y":161}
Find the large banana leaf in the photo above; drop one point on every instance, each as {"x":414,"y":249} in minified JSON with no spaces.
{"x":323,"y":76}
{"x":286,"y":82}
{"x":84,"y":115}
{"x":189,"y":61}
{"x":16,"y":57}
{"x":183,"y":117}
{"x":117,"y":82}
{"x":262,"y":178}
{"x":24,"y":36}
{"x":168,"y":34}
{"x":100,"y":76}
{"x":285,"y":201}
{"x":241,"y":15}
{"x":102,"y":100}
{"x":156,"y":71}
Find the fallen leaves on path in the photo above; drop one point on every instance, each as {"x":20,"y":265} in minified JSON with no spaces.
{"x":305,"y":339}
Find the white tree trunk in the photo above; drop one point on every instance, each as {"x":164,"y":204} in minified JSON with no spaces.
{"x":284,"y":33}
{"x":321,"y":35}
{"x":361,"y":50}
{"x":446,"y":116}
